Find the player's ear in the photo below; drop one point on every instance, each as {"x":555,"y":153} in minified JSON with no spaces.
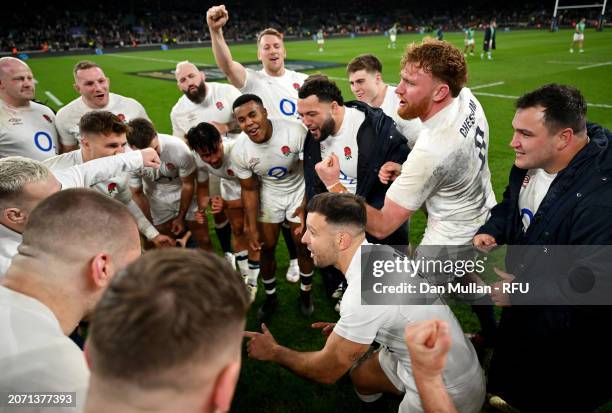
{"x":566,"y":137}
{"x":76,"y":88}
{"x":101,"y":270}
{"x":225,"y":384}
{"x":441,"y":92}
{"x":14,"y":216}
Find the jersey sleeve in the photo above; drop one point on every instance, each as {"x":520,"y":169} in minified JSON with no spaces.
{"x":142,"y":113}
{"x":62,"y":124}
{"x":176,"y":127}
{"x":239,"y":164}
{"x":359,"y":323}
{"x":249,"y":81}
{"x":419,"y":178}
{"x":232,"y":93}
{"x":99,"y":170}
{"x":187,"y":164}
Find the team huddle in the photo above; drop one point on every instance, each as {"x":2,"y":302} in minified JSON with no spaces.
{"x":272,"y":151}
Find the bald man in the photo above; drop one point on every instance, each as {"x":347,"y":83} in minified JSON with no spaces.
{"x":26,"y":128}
{"x":48,"y":290}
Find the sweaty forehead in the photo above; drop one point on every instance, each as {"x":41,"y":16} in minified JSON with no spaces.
{"x":93,"y":73}
{"x":270,"y":39}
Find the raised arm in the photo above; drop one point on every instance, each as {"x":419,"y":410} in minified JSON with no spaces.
{"x":216,"y":18}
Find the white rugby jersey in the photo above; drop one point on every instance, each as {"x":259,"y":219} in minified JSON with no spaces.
{"x":533,"y":190}
{"x":163,"y":185}
{"x":68,"y":117}
{"x":27,"y":131}
{"x":278,"y":93}
{"x":216,"y":107}
{"x":225,"y":171}
{"x":115,"y":187}
{"x":344,"y":145}
{"x":386,"y":323}
{"x":448,"y":171}
{"x":409,"y":128}
{"x":277,"y":161}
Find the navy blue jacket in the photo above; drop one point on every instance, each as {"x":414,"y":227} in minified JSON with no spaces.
{"x":379,"y":141}
{"x":559,"y":350}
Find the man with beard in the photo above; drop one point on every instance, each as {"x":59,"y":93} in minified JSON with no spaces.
{"x":48,"y":289}
{"x":202,"y":102}
{"x":26,"y":128}
{"x":267,"y":161}
{"x":447,"y":170}
{"x":212,"y":103}
{"x":93,"y":86}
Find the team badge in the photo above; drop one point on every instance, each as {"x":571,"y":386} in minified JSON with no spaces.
{"x":219,"y":105}
{"x":112,"y":188}
{"x":170,"y":166}
{"x":230,"y":172}
{"x":47,"y":118}
{"x":121,"y":117}
{"x":526,"y":181}
{"x":347,"y":153}
{"x":285,"y":150}
{"x":296,"y":86}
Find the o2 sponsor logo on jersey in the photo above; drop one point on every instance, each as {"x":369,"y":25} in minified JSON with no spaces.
{"x":346,"y":180}
{"x":278,"y":172}
{"x":43,"y":141}
{"x":526,"y":217}
{"x":287,"y":107}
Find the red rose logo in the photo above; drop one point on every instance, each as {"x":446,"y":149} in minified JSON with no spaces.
{"x":296,"y":86}
{"x":219,"y":105}
{"x":170,"y":166}
{"x":121,"y":117}
{"x":347,"y":153}
{"x":230,"y":172}
{"x":285,"y":150}
{"x":112,"y":188}
{"x":47,"y":118}
{"x":526,"y":181}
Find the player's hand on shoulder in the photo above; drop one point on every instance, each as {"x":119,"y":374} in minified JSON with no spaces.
{"x":484,"y":242}
{"x":150,"y":158}
{"x":389,"y":171}
{"x":217,"y":17}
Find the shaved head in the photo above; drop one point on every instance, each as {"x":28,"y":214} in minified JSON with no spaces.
{"x":191,"y":81}
{"x":86,"y":223}
{"x":16,"y":82}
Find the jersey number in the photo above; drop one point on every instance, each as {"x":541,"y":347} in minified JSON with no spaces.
{"x":481,"y":146}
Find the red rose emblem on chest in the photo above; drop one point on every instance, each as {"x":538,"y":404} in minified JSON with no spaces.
{"x":285,"y":150}
{"x":219,"y":105}
{"x":526,"y":181}
{"x":296,"y":86}
{"x":112,"y":188}
{"x":230,"y":172}
{"x":347,"y":153}
{"x":121,"y":117}
{"x":170,"y":166}
{"x":47,"y":118}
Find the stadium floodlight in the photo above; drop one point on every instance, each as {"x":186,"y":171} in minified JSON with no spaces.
{"x":553,"y":23}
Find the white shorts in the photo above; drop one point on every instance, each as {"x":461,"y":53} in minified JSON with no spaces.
{"x":230,"y":189}
{"x":274,"y":208}
{"x":468,"y":396}
{"x":162,"y":212}
{"x":320,"y":41}
{"x":578,"y":37}
{"x":393,"y":38}
{"x":469,"y":42}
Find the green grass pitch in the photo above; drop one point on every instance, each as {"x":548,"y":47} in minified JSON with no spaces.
{"x":522,"y":61}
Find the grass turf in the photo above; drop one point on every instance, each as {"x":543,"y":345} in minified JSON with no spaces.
{"x":523,"y":61}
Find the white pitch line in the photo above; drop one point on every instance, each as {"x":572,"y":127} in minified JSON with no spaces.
{"x":495,"y":95}
{"x":487,"y":85}
{"x":150,"y":59}
{"x":54,"y":98}
{"x":595,"y":65}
